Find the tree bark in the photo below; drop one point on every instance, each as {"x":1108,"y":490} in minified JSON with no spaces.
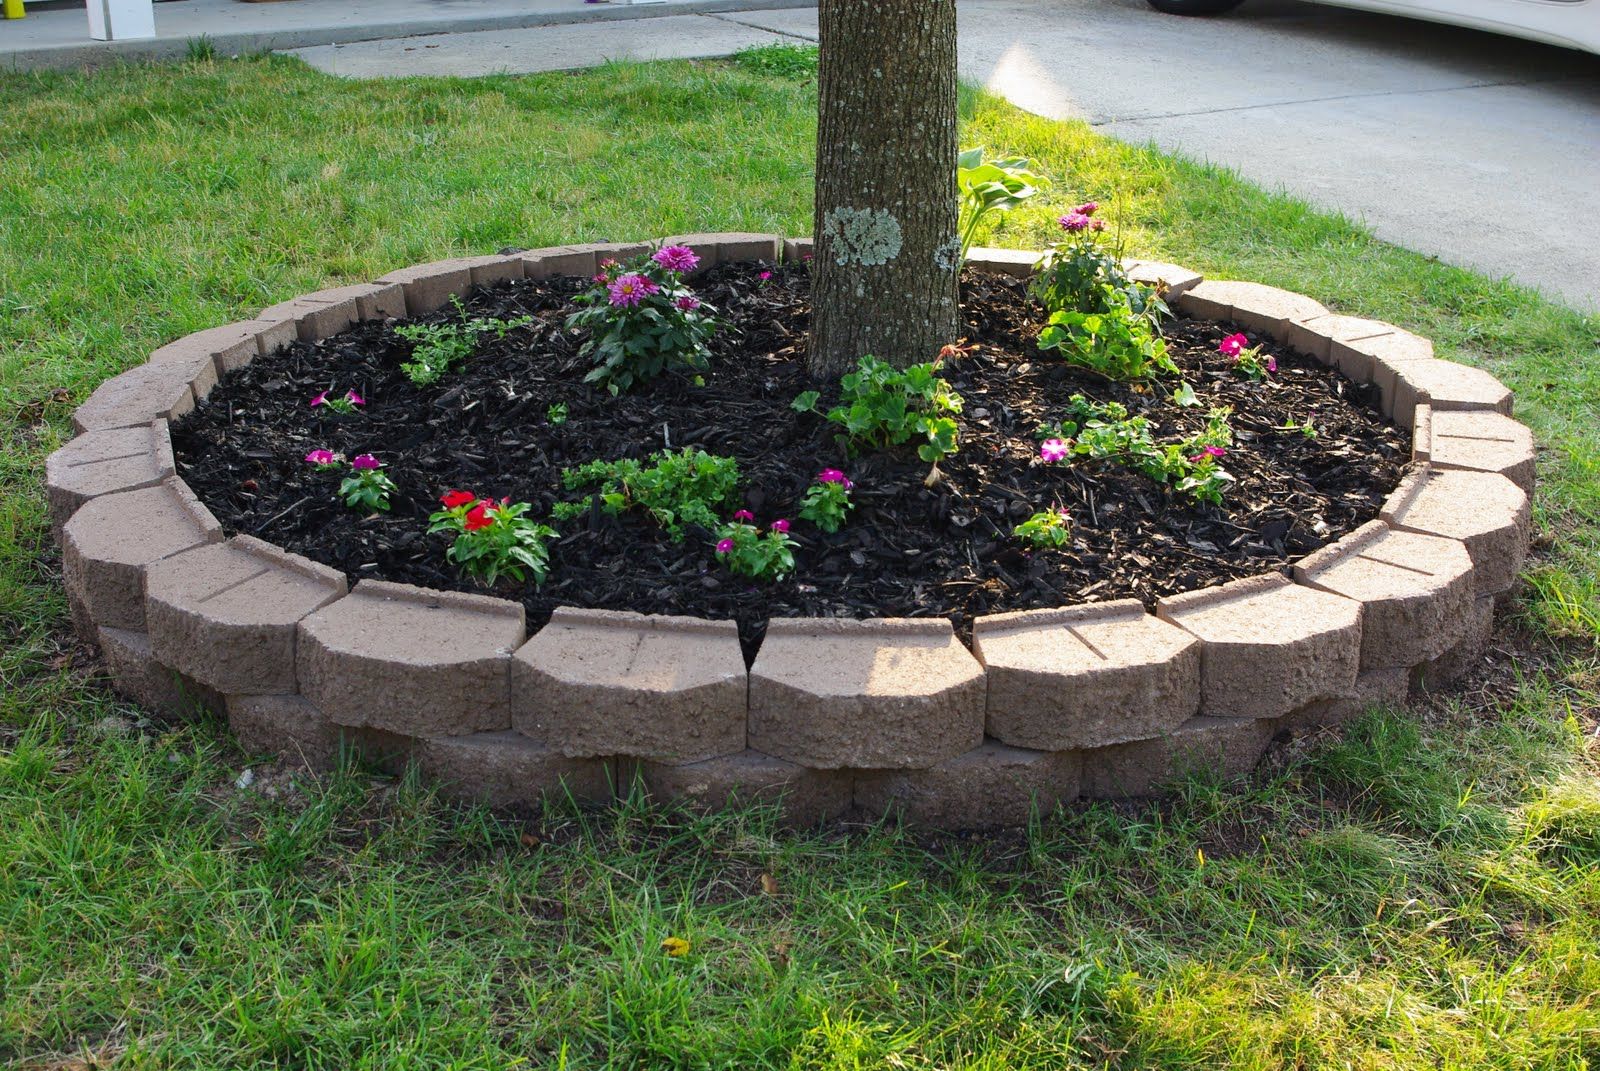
{"x":886,"y":254}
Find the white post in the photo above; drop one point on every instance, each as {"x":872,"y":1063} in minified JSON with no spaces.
{"x":120,"y":20}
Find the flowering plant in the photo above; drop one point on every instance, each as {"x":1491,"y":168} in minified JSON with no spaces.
{"x":1084,"y":273}
{"x":1050,"y":528}
{"x":748,"y":551}
{"x":827,"y":501}
{"x":1247,"y":359}
{"x":1107,"y":432}
{"x":642,"y":318}
{"x":493,"y":539}
{"x":367,"y":486}
{"x":343,"y":406}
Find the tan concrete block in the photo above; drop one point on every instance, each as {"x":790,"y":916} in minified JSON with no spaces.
{"x":1465,"y":656}
{"x":1315,"y":336}
{"x":737,"y":247}
{"x":1017,"y":262}
{"x":1253,"y":306}
{"x":803,"y":797}
{"x":226,"y":347}
{"x":1172,"y":280}
{"x":110,"y":542}
{"x":138,"y":396}
{"x":429,"y":287}
{"x":105,"y":462}
{"x":559,"y":260}
{"x":137,"y":675}
{"x":1422,"y":435}
{"x":797,"y":250}
{"x":1387,"y":688}
{"x":1271,"y":646}
{"x":1225,"y":748}
{"x":1378,"y":358}
{"x":286,"y":726}
{"x":1484,"y":510}
{"x":881,"y":694}
{"x":225,"y":614}
{"x":604,"y":682}
{"x":1085,"y":676}
{"x":990,"y":787}
{"x":409,"y":660}
{"x":1415,"y":590}
{"x":1483,"y":442}
{"x":1448,"y":387}
{"x":495,"y":268}
{"x":503,"y":769}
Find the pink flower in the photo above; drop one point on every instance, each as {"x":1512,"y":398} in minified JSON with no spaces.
{"x":780,"y":525}
{"x":321,"y":399}
{"x":764,"y":276}
{"x":1086,"y":209}
{"x":688,"y":303}
{"x":1233,"y":345}
{"x":677,"y":258}
{"x":609,"y":262}
{"x":835,"y":476}
{"x":365,"y":461}
{"x":601,"y":277}
{"x":631,"y":289}
{"x":724,"y":546}
{"x":1074,"y":222}
{"x":1097,"y":224}
{"x":745,"y":515}
{"x":322,"y":457}
{"x":1053,"y":450}
{"x":1272,"y":364}
{"x":353,"y":398}
{"x":1207,"y":452}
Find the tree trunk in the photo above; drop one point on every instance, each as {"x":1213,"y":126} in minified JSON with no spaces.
{"x":886,"y":256}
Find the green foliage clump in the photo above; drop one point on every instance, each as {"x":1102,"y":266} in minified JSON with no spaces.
{"x":1106,"y":432}
{"x":794,"y":62}
{"x":677,"y":489}
{"x":986,"y":186}
{"x":1048,"y":529}
{"x":437,"y":348}
{"x":883,"y":407}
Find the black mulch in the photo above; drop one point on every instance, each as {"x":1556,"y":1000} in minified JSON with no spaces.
{"x":907,"y":551}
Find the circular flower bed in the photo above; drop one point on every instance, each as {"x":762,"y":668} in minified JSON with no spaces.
{"x":741,"y":582}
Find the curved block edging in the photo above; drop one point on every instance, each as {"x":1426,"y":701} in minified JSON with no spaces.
{"x":835,"y":717}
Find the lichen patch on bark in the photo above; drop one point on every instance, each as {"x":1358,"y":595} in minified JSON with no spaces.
{"x":862,"y":235}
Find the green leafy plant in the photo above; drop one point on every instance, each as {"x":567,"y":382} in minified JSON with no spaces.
{"x":1049,"y":529}
{"x":691,"y":487}
{"x":1116,"y":343}
{"x":986,"y":186}
{"x":437,"y":348}
{"x":557,"y":413}
{"x":367,"y":487}
{"x":795,"y":62}
{"x":882,"y":407}
{"x":1248,"y":360}
{"x":643,"y":319}
{"x":748,"y":551}
{"x":826,"y":502}
{"x":1106,"y":432}
{"x":494,"y":539}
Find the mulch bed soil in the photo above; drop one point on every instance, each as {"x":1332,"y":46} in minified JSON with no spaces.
{"x":907,"y":550}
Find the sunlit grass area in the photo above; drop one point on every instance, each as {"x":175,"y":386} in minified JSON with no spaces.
{"x":1420,"y":891}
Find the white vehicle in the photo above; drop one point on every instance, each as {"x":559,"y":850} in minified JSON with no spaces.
{"x":1569,"y":23}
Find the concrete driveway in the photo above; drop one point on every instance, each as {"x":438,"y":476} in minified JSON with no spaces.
{"x":1481,"y":150}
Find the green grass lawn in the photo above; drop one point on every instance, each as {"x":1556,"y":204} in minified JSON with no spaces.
{"x":1420,"y":892}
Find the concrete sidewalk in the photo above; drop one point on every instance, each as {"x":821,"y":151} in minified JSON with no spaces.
{"x":58,"y":37}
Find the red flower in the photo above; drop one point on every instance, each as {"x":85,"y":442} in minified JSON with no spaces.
{"x":455,"y":499}
{"x":478,"y":517}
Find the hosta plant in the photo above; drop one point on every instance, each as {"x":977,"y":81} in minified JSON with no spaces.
{"x":989,"y":186}
{"x":642,"y":318}
{"x":494,"y":539}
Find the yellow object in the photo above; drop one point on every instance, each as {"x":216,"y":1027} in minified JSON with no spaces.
{"x":11,"y":9}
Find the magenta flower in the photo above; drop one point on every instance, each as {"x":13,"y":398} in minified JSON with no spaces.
{"x":764,"y":276}
{"x":1272,"y":364}
{"x":780,"y":525}
{"x":1086,"y":209}
{"x":1053,"y":450}
{"x":745,"y":515}
{"x":365,"y":461}
{"x":724,"y":546}
{"x":1233,"y":345}
{"x":678,"y":258}
{"x":322,"y":457}
{"x":631,"y":289}
{"x":353,"y":398}
{"x":609,"y":262}
{"x":1074,"y":222}
{"x":688,"y":303}
{"x":1207,"y":452}
{"x":1097,"y":224}
{"x":601,"y":277}
{"x":321,"y":399}
{"x":835,"y":476}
